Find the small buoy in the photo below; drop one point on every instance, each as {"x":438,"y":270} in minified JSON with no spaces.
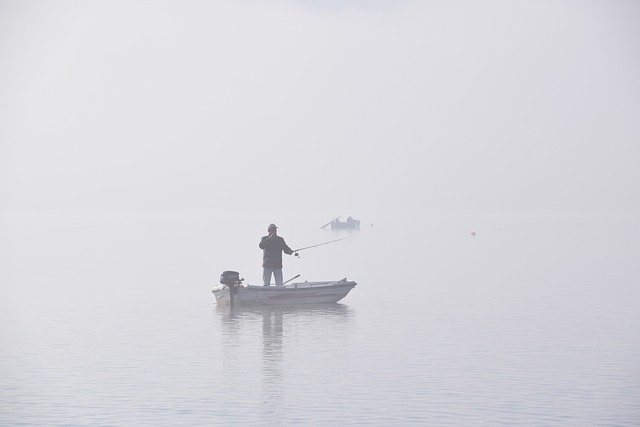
{"x":473,"y":234}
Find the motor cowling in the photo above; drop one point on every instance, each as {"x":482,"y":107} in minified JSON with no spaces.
{"x":230,"y":278}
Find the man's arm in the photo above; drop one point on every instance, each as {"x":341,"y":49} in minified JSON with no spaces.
{"x":286,"y":249}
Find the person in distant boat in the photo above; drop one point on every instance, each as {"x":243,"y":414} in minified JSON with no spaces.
{"x":272,"y":248}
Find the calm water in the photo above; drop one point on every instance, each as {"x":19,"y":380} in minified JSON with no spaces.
{"x":109,"y":321}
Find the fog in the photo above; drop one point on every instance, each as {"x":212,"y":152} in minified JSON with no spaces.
{"x":146,"y":145}
{"x":355,"y":107}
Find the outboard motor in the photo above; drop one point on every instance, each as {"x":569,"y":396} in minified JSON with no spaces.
{"x":233,"y":281}
{"x":230,"y":278}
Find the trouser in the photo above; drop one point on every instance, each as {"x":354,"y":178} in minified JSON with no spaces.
{"x":266,"y":276}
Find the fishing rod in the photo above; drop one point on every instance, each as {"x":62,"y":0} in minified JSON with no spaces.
{"x":314,"y":246}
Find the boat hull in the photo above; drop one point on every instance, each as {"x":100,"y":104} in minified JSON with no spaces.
{"x":292,"y":294}
{"x":353,"y":225}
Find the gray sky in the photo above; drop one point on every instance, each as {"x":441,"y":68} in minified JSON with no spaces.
{"x":348,"y":107}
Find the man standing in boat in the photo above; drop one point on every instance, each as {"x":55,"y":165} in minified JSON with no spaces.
{"x":272,"y":247}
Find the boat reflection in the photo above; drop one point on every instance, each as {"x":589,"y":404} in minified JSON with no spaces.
{"x":294,"y":309}
{"x":289,"y":334}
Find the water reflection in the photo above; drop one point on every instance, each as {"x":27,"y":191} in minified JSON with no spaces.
{"x":336,"y":310}
{"x":272,"y":361}
{"x":282,"y":338}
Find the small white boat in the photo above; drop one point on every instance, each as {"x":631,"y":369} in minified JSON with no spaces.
{"x":288,"y":294}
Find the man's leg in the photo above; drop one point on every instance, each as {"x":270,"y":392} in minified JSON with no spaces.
{"x":266,"y":276}
{"x":277,"y":273}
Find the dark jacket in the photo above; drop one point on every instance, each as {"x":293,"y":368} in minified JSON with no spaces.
{"x":272,"y":251}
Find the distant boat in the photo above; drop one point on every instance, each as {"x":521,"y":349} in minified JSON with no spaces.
{"x":288,"y":294}
{"x":349,"y":224}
